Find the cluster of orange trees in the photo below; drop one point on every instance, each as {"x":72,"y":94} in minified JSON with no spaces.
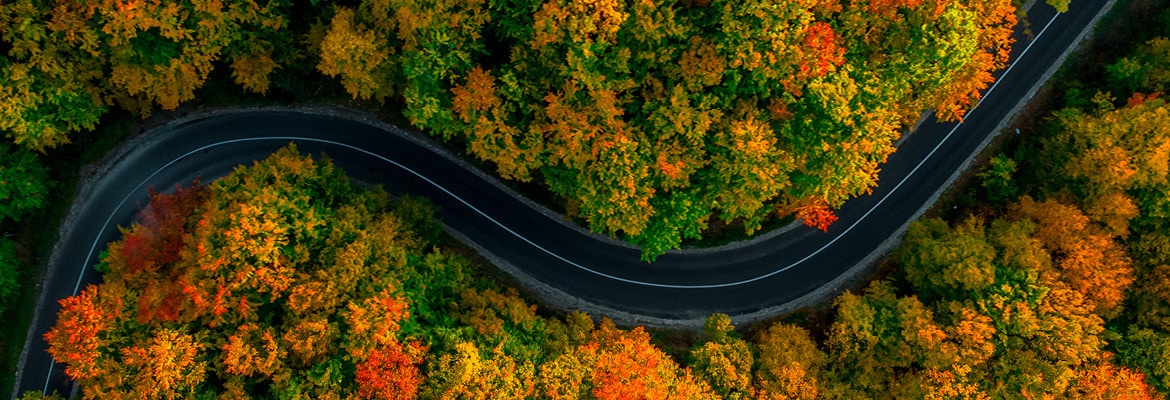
{"x":646,"y":117}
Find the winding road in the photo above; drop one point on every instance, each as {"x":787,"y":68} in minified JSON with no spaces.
{"x":566,"y":266}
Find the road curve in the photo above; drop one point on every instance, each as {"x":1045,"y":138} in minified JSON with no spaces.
{"x":568,"y":266}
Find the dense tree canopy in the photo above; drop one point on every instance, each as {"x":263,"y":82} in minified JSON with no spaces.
{"x":244,"y":285}
{"x":1116,"y":163}
{"x":649,"y":117}
{"x":284,"y":279}
{"x":66,"y":62}
{"x":1060,"y":295}
{"x":1013,"y":319}
{"x":1098,"y":170}
{"x":645,"y":117}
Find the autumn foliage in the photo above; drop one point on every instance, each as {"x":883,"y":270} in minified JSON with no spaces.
{"x":650,"y":117}
{"x":216,"y":290}
{"x":1066,"y":284}
{"x":77,"y":339}
{"x":283,"y":279}
{"x":622,"y":364}
{"x":645,"y":118}
{"x":1112,"y":160}
{"x":67,"y":63}
{"x":816,"y":215}
{"x":390,"y":373}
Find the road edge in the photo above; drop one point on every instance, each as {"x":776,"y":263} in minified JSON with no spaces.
{"x":544,"y":292}
{"x":855,"y":273}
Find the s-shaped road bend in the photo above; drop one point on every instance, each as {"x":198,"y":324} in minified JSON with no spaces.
{"x":566,"y":266}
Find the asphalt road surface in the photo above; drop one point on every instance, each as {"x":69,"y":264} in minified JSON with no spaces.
{"x":543,"y":249}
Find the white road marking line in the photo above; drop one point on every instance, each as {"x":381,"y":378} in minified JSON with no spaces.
{"x":81,"y":275}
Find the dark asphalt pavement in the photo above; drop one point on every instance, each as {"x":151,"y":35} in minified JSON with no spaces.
{"x":677,"y":286}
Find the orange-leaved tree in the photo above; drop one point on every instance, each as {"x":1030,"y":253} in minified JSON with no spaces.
{"x":618,"y":364}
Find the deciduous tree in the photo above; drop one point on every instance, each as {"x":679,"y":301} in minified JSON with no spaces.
{"x":943,"y":263}
{"x":1108,"y":381}
{"x":1090,"y":262}
{"x":471,"y":374}
{"x":79,"y":337}
{"x":724,"y":360}
{"x":790,"y":365}
{"x":618,"y":364}
{"x":359,"y":55}
{"x":390,"y":372}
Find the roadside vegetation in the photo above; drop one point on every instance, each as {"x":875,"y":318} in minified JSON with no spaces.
{"x":284,"y":280}
{"x":645,"y":119}
{"x":77,"y":76}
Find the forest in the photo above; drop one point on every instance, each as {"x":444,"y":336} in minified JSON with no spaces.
{"x":284,"y":280}
{"x":645,"y":119}
{"x":1051,"y":279}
